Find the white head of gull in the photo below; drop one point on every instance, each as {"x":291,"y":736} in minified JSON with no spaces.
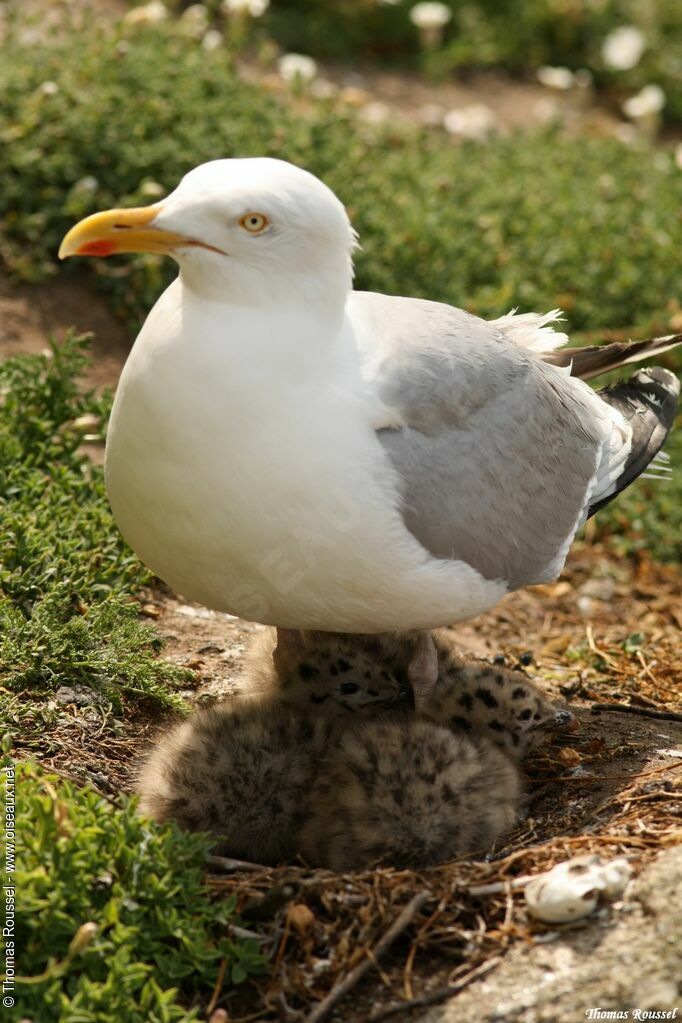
{"x":292,"y":451}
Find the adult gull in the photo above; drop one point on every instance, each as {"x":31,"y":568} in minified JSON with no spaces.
{"x":292,"y":451}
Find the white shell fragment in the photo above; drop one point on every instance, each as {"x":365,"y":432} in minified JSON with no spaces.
{"x":571,"y":890}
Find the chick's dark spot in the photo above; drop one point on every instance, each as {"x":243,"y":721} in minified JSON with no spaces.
{"x":486,"y":697}
{"x":460,"y":722}
{"x":308,"y":671}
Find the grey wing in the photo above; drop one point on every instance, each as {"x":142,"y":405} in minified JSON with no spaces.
{"x":496,"y":453}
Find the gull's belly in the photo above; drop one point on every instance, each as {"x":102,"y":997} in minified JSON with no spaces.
{"x":278,"y":541}
{"x":232,"y":530}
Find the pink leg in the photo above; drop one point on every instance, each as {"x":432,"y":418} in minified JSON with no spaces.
{"x":422,"y":670}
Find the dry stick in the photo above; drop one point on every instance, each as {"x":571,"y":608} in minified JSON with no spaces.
{"x":441,"y":994}
{"x":347,"y":983}
{"x":217,"y":988}
{"x":227,"y":864}
{"x":628,"y":708}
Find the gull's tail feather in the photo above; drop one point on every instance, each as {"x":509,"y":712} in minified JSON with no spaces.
{"x":648,"y":401}
{"x":595,"y":359}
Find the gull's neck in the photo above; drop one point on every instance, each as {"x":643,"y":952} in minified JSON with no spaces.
{"x":320,"y":293}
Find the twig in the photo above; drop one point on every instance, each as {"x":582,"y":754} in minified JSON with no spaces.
{"x":596,"y":650}
{"x":499,"y":886}
{"x":347,"y":983}
{"x":227,"y":864}
{"x":440,"y":994}
{"x":628,"y":708}
{"x":218,"y":988}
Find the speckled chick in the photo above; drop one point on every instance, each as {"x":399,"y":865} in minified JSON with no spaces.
{"x":331,"y":672}
{"x":408,"y":793}
{"x":340,"y":673}
{"x":488,"y":700}
{"x":242,"y":772}
{"x":416,"y":789}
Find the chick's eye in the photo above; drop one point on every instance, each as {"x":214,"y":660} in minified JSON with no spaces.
{"x":348,"y":688}
{"x":254,"y":223}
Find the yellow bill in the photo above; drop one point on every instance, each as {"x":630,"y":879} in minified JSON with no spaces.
{"x":104,"y":234}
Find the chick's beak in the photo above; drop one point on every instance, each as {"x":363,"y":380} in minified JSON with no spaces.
{"x":113,"y":231}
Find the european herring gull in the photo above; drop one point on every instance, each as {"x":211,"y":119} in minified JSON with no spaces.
{"x":295,"y":452}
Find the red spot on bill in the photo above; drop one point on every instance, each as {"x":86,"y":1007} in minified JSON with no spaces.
{"x":100,"y":247}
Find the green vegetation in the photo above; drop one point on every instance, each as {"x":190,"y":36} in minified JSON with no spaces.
{"x":65,"y":574}
{"x":591,"y":226}
{"x":159,"y":939}
{"x":520,"y":37}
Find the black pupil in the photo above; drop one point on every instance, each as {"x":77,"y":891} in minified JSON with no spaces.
{"x":348,"y":687}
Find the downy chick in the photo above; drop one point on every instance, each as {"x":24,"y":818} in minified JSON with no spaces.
{"x":242,"y":772}
{"x":416,"y":789}
{"x":409,"y":793}
{"x":342,"y":673}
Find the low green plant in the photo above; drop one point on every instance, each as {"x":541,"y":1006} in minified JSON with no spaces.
{"x":66,"y":576}
{"x":114,"y":922}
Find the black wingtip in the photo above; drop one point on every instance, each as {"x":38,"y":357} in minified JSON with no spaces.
{"x":648,"y":400}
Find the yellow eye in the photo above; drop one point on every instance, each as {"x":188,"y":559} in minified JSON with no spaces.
{"x":254,"y":223}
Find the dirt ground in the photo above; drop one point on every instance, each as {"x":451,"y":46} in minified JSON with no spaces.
{"x":607,"y":631}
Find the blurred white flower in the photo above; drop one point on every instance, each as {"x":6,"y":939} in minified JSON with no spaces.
{"x":148,"y":14}
{"x":678,"y":155}
{"x":644,"y":110}
{"x":650,"y":100}
{"x":254,"y":8}
{"x":430,"y":18}
{"x":48,"y":89}
{"x":195,"y":19}
{"x":475,"y":121}
{"x":87,"y":184}
{"x":575,"y":84}
{"x":213,"y":40}
{"x":152,"y":189}
{"x":296,"y":67}
{"x":622,"y":49}
{"x":560,"y":78}
{"x":430,"y":15}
